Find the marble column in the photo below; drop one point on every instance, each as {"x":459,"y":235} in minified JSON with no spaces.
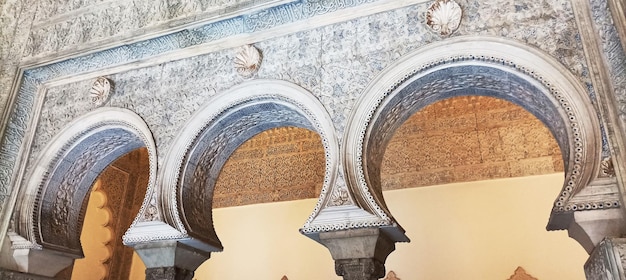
{"x":359,"y":254}
{"x":607,"y":261}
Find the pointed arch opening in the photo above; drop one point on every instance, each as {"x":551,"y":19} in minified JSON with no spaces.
{"x":113,"y":202}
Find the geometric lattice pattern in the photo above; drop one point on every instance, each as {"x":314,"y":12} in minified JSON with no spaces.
{"x":469,"y":138}
{"x":460,"y":139}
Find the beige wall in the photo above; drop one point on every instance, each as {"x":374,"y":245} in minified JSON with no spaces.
{"x":473,"y":230}
{"x":95,"y":238}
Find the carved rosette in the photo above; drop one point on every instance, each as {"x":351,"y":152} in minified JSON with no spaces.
{"x":248,"y":61}
{"x":100,"y":91}
{"x":606,"y":168}
{"x":444,"y":17}
{"x":340,"y":198}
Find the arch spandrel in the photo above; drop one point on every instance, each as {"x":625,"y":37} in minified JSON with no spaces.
{"x":190,"y":169}
{"x":473,"y":66}
{"x":51,"y":214}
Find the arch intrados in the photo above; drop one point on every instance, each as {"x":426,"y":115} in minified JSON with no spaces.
{"x":416,"y":140}
{"x":58,"y":157}
{"x":553,"y":79}
{"x":417,"y":93}
{"x":215,"y":117}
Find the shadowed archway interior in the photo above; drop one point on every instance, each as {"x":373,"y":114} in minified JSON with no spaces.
{"x":116,"y":197}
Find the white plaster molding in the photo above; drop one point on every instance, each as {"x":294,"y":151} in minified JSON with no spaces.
{"x":89,"y":124}
{"x":150,"y":231}
{"x":150,"y":32}
{"x":282,"y":92}
{"x":618,"y":11}
{"x":543,"y":71}
{"x":594,"y":38}
{"x":590,"y":227}
{"x":213,"y":46}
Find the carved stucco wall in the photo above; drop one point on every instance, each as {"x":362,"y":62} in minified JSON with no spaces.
{"x":615,"y":55}
{"x":334,"y":62}
{"x":466,"y":139}
{"x":277,"y":165}
{"x":36,"y":31}
{"x":475,"y":138}
{"x":327,"y":61}
{"x":16,"y":17}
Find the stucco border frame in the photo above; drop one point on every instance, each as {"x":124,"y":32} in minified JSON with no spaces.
{"x":70,"y":137}
{"x":247,"y":92}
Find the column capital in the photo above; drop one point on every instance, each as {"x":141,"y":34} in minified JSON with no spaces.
{"x":607,"y":260}
{"x":170,"y":259}
{"x":359,"y":254}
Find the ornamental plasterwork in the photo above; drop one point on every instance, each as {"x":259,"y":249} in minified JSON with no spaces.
{"x":322,"y":70}
{"x":444,"y":16}
{"x":613,"y":51}
{"x":248,"y":61}
{"x":340,"y":197}
{"x":606,"y":168}
{"x":100,"y":91}
{"x":325,"y":69}
{"x":605,"y":262}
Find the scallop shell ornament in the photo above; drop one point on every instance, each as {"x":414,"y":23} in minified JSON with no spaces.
{"x":444,"y":16}
{"x":100,"y":91}
{"x":248,"y":61}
